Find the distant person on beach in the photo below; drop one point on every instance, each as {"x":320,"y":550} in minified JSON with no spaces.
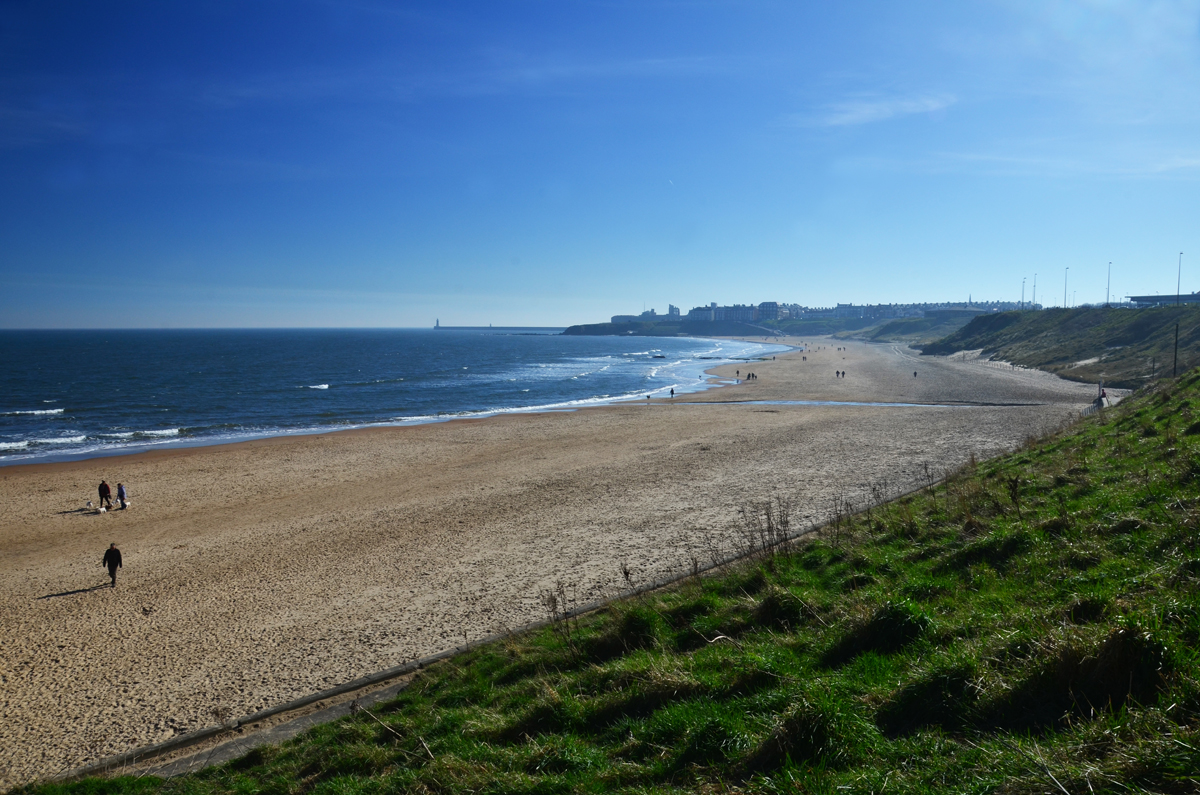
{"x":121,"y":495}
{"x":105,"y":494}
{"x":112,"y":559}
{"x":672,"y":391}
{"x":914,"y":373}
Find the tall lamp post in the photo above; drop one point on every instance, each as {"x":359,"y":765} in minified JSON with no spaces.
{"x":1108,"y":286}
{"x":1178,"y":274}
{"x":1022,"y":292}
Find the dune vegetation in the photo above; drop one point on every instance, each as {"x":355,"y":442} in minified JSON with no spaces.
{"x":1029,"y":623}
{"x":1122,"y":347}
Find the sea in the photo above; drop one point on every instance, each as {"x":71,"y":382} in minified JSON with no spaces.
{"x":67,"y":395}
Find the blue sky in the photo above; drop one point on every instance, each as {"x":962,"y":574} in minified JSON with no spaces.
{"x":385,"y":164}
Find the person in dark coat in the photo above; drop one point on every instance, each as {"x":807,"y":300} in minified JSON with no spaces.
{"x":112,"y":559}
{"x":105,"y":495}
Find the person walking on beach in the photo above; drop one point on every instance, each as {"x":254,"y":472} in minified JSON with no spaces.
{"x":105,"y":494}
{"x":112,"y":559}
{"x":121,"y":495}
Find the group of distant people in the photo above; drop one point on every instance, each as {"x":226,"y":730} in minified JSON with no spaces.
{"x":112,"y":556}
{"x":839,"y":373}
{"x":106,"y":496}
{"x":749,"y":376}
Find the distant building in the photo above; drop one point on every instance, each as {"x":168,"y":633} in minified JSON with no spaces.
{"x":774,"y":311}
{"x":1163,"y":300}
{"x":648,"y":316}
{"x":738,"y":313}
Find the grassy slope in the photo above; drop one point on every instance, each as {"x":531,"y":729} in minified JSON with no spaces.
{"x":1124,"y":340}
{"x":909,"y":329}
{"x":1030,"y":624}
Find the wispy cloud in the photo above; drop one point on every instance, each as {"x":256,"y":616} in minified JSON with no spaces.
{"x":1045,"y":165}
{"x":23,"y":127}
{"x":494,"y":73}
{"x":868,"y":110}
{"x":1129,"y":62}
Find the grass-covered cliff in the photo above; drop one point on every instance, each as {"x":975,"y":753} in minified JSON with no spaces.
{"x":1122,"y":347}
{"x":1031,"y":624}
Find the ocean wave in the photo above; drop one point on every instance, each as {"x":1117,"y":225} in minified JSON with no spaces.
{"x":32,"y":411}
{"x":372,"y":382}
{"x":492,"y":387}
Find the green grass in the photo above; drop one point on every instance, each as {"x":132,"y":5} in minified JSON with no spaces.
{"x":1131,"y":346}
{"x":916,"y":330}
{"x":1031,"y":624}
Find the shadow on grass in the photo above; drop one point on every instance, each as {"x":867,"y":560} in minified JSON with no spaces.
{"x":995,"y":550}
{"x":1065,"y":680}
{"x":943,"y":697}
{"x":893,"y":626}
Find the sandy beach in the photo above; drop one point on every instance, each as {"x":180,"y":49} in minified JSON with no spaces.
{"x":259,"y":572}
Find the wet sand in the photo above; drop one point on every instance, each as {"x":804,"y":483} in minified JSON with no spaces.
{"x":260,"y":572}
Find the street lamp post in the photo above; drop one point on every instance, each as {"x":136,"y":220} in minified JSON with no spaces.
{"x":1022,"y":292}
{"x":1178,"y":274}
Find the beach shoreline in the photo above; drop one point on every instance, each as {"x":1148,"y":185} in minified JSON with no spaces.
{"x":261,"y":571}
{"x":183,"y":443}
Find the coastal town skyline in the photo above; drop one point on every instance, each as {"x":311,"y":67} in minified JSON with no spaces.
{"x":328,"y":164}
